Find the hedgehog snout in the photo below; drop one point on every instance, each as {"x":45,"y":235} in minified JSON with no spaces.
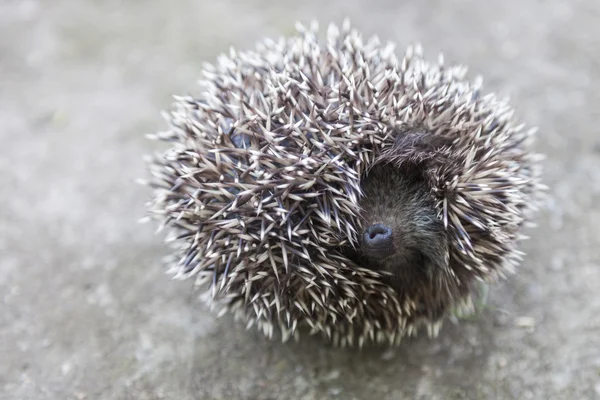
{"x":378,"y":241}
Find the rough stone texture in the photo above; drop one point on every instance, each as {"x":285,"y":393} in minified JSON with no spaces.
{"x":87,"y":312}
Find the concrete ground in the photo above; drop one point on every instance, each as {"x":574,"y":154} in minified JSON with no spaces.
{"x":87,"y":312}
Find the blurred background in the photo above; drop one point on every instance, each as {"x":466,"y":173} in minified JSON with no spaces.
{"x":86,"y":309}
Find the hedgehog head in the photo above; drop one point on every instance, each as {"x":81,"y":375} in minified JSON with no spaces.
{"x":332,"y":186}
{"x":401,"y":234}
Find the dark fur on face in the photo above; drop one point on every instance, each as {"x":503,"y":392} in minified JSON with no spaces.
{"x":397,"y":198}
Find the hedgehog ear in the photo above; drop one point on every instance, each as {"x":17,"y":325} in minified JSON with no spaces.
{"x":419,"y":140}
{"x":414,"y":147}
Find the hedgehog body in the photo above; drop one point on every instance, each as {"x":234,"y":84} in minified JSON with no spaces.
{"x":294,"y":152}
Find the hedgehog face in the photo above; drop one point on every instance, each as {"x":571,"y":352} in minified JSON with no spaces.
{"x":400,"y":232}
{"x":400,"y":229}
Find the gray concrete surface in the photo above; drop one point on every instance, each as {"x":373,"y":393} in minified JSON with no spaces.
{"x":87,"y":312}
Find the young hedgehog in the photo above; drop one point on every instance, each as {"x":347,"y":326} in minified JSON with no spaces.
{"x":331,"y":186}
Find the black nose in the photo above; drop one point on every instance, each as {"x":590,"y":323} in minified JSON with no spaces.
{"x":378,"y":237}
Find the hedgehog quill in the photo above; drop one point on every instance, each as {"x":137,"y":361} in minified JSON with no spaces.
{"x":329,"y":185}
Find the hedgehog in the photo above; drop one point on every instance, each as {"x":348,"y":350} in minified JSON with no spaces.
{"x":324,"y":185}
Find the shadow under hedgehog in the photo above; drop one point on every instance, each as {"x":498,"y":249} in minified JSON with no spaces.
{"x":332,"y":186}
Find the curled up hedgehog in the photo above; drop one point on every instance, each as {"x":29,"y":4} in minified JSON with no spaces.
{"x":333,"y":187}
